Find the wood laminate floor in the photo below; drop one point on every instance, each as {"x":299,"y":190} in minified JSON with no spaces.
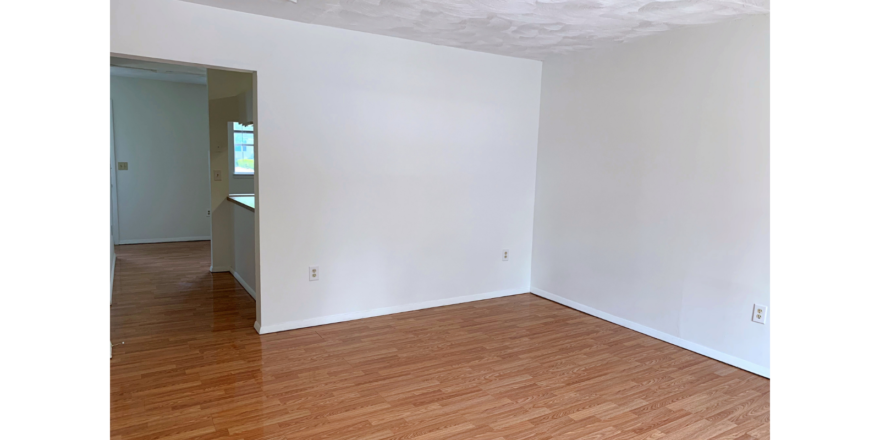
{"x":520,"y":367}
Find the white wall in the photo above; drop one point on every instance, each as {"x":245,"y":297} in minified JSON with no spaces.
{"x":228,"y":92}
{"x":161,"y":130}
{"x":652,"y":201}
{"x":401,"y":168}
{"x":219,"y":112}
{"x":244,"y":261}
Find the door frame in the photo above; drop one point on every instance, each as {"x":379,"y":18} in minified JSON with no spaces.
{"x":114,"y":200}
{"x":255,"y":78}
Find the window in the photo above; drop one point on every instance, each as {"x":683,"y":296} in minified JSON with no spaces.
{"x":243,"y":158}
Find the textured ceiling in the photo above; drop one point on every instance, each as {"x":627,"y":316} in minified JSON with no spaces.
{"x":521,"y":28}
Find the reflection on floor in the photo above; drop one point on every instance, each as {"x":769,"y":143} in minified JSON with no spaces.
{"x":193,"y":367}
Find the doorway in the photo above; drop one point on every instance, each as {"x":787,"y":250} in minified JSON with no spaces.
{"x":183,"y":163}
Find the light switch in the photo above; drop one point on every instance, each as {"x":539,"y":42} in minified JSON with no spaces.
{"x":217,"y":176}
{"x":122,"y":166}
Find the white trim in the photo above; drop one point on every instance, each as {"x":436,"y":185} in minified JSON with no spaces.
{"x":114,"y":198}
{"x":165,"y":240}
{"x":112,"y":275}
{"x":179,"y":77}
{"x":674,"y":340}
{"x":220,"y":269}
{"x":247,"y":287}
{"x":351,"y":316}
{"x":230,"y":152}
{"x":257,"y":326}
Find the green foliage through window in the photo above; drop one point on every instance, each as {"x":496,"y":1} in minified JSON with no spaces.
{"x":247,"y":164}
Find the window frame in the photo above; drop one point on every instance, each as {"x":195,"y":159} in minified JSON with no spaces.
{"x":231,"y":134}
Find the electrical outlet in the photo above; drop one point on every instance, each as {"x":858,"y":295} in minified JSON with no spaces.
{"x":209,"y":213}
{"x":759,"y":313}
{"x":122,"y":166}
{"x":217,"y":175}
{"x":504,"y":253}
{"x":313,"y":273}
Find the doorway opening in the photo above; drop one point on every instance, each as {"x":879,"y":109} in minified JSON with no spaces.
{"x":183,"y":196}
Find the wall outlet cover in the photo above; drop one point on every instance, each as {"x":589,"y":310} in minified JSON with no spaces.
{"x":759,"y":313}
{"x":504,"y":254}
{"x":313,"y":273}
{"x":122,"y":166}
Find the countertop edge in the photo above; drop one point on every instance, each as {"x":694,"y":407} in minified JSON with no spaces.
{"x":234,"y":199}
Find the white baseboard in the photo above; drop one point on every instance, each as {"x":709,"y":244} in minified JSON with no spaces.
{"x":246,"y":286}
{"x":220,"y":269}
{"x":112,"y":275}
{"x":322,"y":320}
{"x":674,"y":340}
{"x":257,"y":326}
{"x":164,"y":240}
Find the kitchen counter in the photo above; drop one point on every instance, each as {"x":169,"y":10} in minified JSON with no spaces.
{"x":247,"y":201}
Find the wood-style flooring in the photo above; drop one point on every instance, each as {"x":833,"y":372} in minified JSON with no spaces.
{"x":520,"y":367}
